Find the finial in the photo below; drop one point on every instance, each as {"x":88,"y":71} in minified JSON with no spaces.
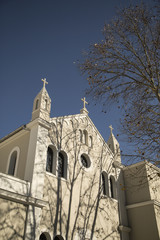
{"x":84,"y":102}
{"x":111,"y":128}
{"x":44,"y":82}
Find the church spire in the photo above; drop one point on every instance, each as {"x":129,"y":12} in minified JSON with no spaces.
{"x":114,"y":144}
{"x":42,"y":104}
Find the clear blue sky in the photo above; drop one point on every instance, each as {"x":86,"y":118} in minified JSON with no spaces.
{"x":43,"y":38}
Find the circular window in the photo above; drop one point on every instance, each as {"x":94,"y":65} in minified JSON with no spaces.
{"x":85,"y":161}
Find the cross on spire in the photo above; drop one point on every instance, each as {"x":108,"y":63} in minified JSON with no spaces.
{"x":44,"y":82}
{"x":84,"y":102}
{"x":111,"y":128}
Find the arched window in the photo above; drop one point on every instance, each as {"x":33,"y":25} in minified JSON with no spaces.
{"x":85,"y":137}
{"x":62,"y":165}
{"x":90,"y":142}
{"x":58,"y":237}
{"x":37,"y":103}
{"x":45,"y":236}
{"x":80,"y":135}
{"x":49,"y":164}
{"x":45,"y":107}
{"x":105,"y":183}
{"x":112,"y":187}
{"x":12,"y":163}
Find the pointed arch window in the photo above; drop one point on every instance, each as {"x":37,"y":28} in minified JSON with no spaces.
{"x":105,"y":183}
{"x":49,"y":164}
{"x":112,"y":187}
{"x":62,"y":165}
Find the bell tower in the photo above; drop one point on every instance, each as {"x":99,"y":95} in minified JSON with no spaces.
{"x":42,"y":104}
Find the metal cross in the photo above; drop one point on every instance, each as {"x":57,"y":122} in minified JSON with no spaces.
{"x":44,"y":82}
{"x":111,"y":128}
{"x":84,"y":102}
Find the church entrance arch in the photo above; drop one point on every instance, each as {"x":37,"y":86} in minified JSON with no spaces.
{"x":58,"y":237}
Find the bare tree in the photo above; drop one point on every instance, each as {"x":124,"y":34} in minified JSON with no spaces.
{"x":124,"y":68}
{"x":75,"y":205}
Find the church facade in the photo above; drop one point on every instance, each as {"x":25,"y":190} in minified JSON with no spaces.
{"x":59,"y":179}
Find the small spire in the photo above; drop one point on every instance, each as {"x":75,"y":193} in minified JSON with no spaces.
{"x":111,"y":128}
{"x":44,"y":82}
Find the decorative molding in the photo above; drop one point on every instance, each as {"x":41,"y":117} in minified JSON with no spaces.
{"x":23,"y":199}
{"x":117,"y":164}
{"x":124,"y":228}
{"x":141,"y":204}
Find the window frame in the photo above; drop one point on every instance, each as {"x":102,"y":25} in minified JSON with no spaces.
{"x":88,"y":159}
{"x":65,"y":164}
{"x":15,"y":149}
{"x":112,"y":187}
{"x":54,"y":159}
{"x":105,"y":183}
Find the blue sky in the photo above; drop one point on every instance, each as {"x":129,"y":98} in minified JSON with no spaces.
{"x":43,"y":38}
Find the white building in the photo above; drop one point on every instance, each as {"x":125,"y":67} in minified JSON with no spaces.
{"x":59,"y":179}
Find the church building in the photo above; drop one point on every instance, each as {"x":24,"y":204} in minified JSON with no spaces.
{"x":60,"y":180}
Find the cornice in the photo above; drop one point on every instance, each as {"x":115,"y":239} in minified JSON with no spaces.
{"x":141,"y":204}
{"x":23,"y":199}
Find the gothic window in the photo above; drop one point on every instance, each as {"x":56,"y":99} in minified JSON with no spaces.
{"x":85,"y":161}
{"x":12,"y":163}
{"x":62,"y":165}
{"x":104,"y":183}
{"x":49,"y":163}
{"x":37,"y":102}
{"x":112,"y":187}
